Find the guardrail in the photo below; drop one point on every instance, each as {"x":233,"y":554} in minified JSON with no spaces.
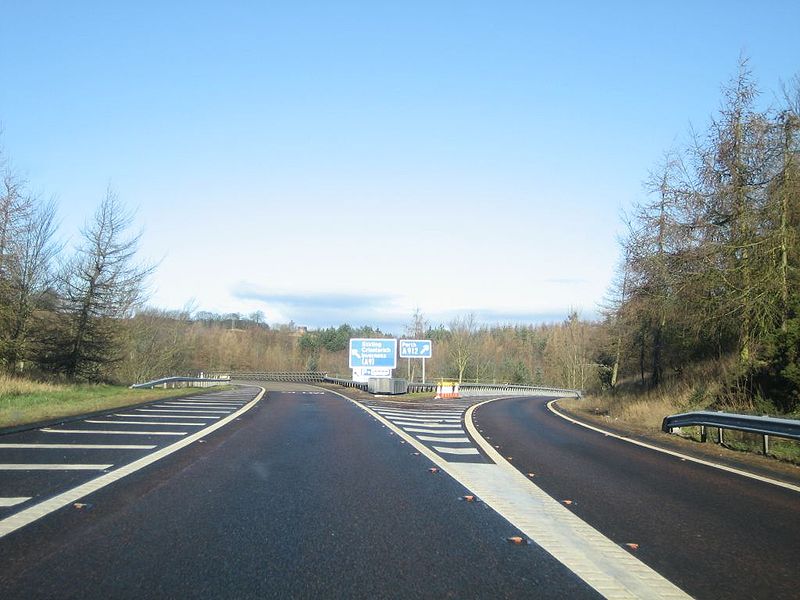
{"x":467,"y":389}
{"x":491,"y":389}
{"x":295,"y":376}
{"x":347,"y":383}
{"x":764,"y":426}
{"x":173,"y":382}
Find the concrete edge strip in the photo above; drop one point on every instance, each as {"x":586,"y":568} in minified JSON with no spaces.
{"x":708,"y":463}
{"x":37,"y":511}
{"x":587,"y":573}
{"x":597,"y":560}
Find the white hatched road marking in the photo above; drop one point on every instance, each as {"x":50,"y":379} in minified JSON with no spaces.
{"x":141,"y":423}
{"x":184,"y":410}
{"x":6,"y":502}
{"x":421,"y":415}
{"x":52,"y":467}
{"x":41,"y":509}
{"x":413,"y":421}
{"x":602,"y":564}
{"x":429,"y":425}
{"x":434,"y":431}
{"x":441,"y":427}
{"x":223,"y":402}
{"x":201,"y":404}
{"x":76,"y":446}
{"x":464,"y":451}
{"x":99,"y":431}
{"x":433,"y":438}
{"x":166,"y":416}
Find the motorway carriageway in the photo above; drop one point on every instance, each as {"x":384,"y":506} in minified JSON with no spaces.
{"x":308,"y":494}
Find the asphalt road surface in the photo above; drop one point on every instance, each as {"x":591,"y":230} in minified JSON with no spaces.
{"x":303,"y":496}
{"x":714,"y":534}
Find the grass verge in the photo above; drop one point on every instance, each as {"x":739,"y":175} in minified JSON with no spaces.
{"x":23,"y":402}
{"x":643,"y":411}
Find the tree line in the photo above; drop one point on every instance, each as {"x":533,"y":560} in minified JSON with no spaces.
{"x":62,"y":313}
{"x":708,"y":283}
{"x":709,"y":270}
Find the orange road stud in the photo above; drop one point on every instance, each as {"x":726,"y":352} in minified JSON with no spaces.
{"x":567,"y":502}
{"x":632,"y":546}
{"x":515,"y":539}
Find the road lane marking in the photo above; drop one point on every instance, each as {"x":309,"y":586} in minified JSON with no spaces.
{"x":462,"y":451}
{"x":165,"y":416}
{"x":184,"y":411}
{"x":458,"y":431}
{"x":420,"y":415}
{"x":104,"y":432}
{"x":410,"y":421}
{"x":7,"y":502}
{"x":52,"y":467}
{"x":428,"y":425}
{"x":140,"y":423}
{"x":37,"y":511}
{"x":198,"y":404}
{"x":201,"y":403}
{"x":76,"y":446}
{"x":598,"y":561}
{"x":433,"y":438}
{"x":783,"y":484}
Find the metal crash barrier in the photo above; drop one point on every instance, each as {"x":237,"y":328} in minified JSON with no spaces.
{"x":764,"y":426}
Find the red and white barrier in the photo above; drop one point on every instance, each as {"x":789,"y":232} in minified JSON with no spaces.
{"x":447,"y":390}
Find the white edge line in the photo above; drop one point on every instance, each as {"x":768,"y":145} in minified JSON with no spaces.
{"x":37,"y":511}
{"x":783,"y":484}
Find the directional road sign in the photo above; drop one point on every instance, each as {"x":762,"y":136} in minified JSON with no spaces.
{"x":416,"y":349}
{"x":373,"y":352}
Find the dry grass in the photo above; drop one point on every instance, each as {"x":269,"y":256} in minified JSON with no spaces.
{"x":643,"y":411}
{"x":23,"y":401}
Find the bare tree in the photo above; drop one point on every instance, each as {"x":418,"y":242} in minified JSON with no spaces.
{"x":30,"y":269}
{"x":415,"y":329}
{"x":462,"y":342}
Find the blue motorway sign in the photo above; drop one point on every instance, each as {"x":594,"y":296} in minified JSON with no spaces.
{"x":373,"y":352}
{"x":416,"y":349}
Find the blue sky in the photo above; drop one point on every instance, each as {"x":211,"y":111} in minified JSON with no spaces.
{"x":348,"y":161}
